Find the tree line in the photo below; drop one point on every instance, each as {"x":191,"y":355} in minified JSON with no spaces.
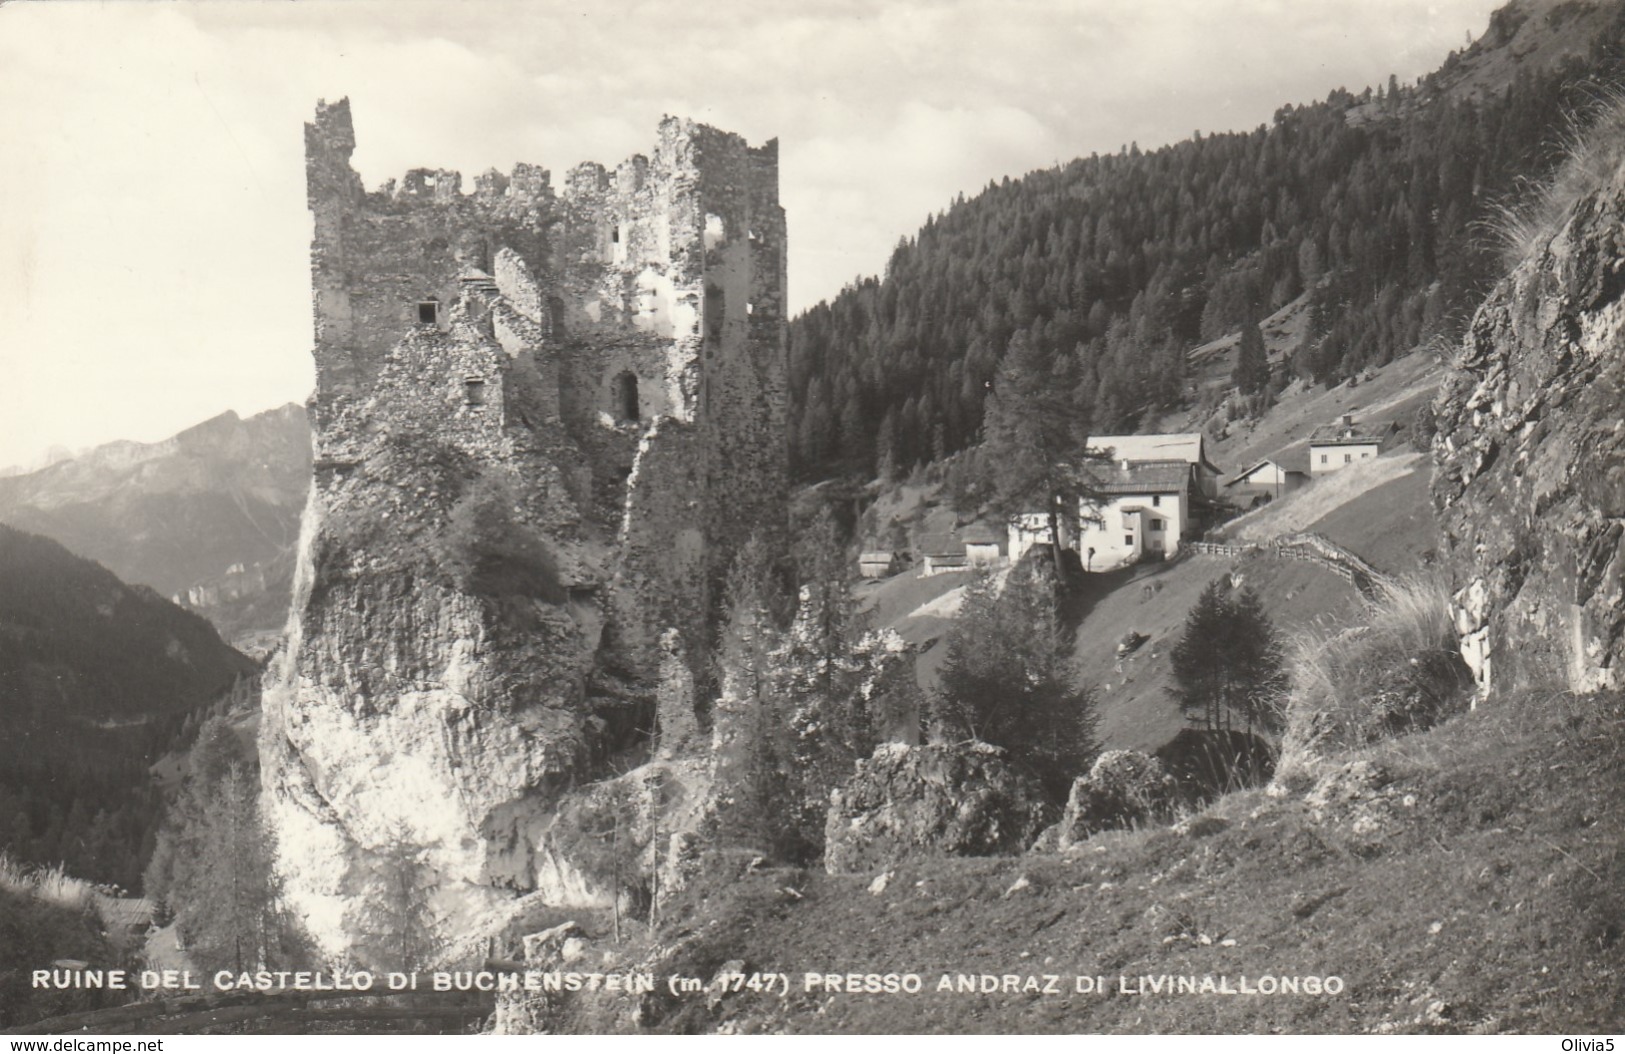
{"x":1113,"y":267}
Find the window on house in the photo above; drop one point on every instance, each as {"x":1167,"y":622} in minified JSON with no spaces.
{"x":1128,"y":539}
{"x":1364,"y":454}
{"x":1348,"y":459}
{"x":428,"y":312}
{"x":1156,"y":525}
{"x":626,"y":395}
{"x":1156,"y":499}
{"x":615,"y":235}
{"x":474,"y":391}
{"x":1323,"y":459}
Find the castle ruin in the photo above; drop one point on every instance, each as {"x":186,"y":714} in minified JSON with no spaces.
{"x":543,"y":423}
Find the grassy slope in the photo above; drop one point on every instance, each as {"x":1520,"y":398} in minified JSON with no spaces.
{"x":1392,"y":394}
{"x":1387,"y":518}
{"x":1131,"y":694}
{"x":1484,"y":892}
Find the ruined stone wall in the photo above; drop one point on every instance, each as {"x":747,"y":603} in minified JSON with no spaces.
{"x":541,"y":425}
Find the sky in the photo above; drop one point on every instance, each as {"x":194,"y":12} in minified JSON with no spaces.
{"x":153,"y":233}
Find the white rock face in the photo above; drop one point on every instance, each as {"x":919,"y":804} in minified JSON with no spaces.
{"x":393,"y":718}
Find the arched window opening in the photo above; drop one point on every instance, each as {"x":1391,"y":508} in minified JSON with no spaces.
{"x":626,"y":396}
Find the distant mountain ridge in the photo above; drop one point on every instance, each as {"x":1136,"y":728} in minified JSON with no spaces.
{"x":208,"y":517}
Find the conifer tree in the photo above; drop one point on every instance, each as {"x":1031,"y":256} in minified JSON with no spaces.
{"x":1035,"y":456}
{"x":400,"y":923}
{"x":750,"y":755}
{"x":1005,"y":680}
{"x":1227,"y":665}
{"x":1252,"y":371}
{"x":818,"y":676}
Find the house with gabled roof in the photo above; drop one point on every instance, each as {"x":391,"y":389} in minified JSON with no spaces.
{"x":940,"y":553}
{"x":1189,"y":447}
{"x":1154,"y":494}
{"x":1336,"y":446}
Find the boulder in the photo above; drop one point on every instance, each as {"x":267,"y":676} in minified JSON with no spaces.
{"x":960,"y":800}
{"x":1530,"y":452}
{"x":1124,"y":789}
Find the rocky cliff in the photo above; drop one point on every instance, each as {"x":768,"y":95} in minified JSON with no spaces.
{"x":1530,"y":447}
{"x":541,"y":425}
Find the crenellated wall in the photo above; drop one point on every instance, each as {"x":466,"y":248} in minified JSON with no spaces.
{"x":542,"y":425}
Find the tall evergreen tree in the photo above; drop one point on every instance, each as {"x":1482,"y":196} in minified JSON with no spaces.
{"x":1005,"y":679}
{"x":751,"y":752}
{"x":1035,"y":455}
{"x":1227,"y":664}
{"x":1252,"y":371}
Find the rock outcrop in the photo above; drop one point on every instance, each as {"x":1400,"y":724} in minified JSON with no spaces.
{"x":1530,"y":487}
{"x":939,"y":799}
{"x":542,"y":425}
{"x":1124,"y":789}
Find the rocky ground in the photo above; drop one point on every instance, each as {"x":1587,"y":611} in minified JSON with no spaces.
{"x":1470,"y":879}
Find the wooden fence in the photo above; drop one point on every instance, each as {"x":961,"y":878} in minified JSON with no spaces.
{"x":1306,"y":545}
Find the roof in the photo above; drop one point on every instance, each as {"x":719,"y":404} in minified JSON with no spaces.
{"x":940,"y":545}
{"x":1249,"y":470}
{"x":1144,"y":477}
{"x":981,"y":534}
{"x":1340,"y":434}
{"x":1190,"y":447}
{"x":877,"y":556}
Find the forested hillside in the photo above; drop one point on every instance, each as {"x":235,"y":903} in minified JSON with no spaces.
{"x":1381,"y":207}
{"x":97,"y":680}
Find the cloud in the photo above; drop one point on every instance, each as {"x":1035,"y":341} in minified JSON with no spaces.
{"x":153,"y":246}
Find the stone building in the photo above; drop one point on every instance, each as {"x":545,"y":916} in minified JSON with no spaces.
{"x":543,"y":423}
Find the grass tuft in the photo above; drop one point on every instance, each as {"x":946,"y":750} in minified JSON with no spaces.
{"x":52,"y":885}
{"x":1592,"y":150}
{"x":1397,"y":671}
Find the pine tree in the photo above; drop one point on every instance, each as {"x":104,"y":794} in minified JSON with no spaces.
{"x":817,"y":675}
{"x":1005,"y":680}
{"x":750,"y":757}
{"x":1227,"y":664}
{"x":400,"y":923}
{"x":1252,"y":371}
{"x":1035,"y":454}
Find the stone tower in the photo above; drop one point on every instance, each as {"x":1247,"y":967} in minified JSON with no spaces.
{"x":543,"y":423}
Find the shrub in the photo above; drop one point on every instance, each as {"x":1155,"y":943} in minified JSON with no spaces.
{"x":1399,"y":671}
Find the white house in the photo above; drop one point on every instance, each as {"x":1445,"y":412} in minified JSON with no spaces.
{"x":1154,"y":494}
{"x":1146,"y":509}
{"x":1333,"y":447}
